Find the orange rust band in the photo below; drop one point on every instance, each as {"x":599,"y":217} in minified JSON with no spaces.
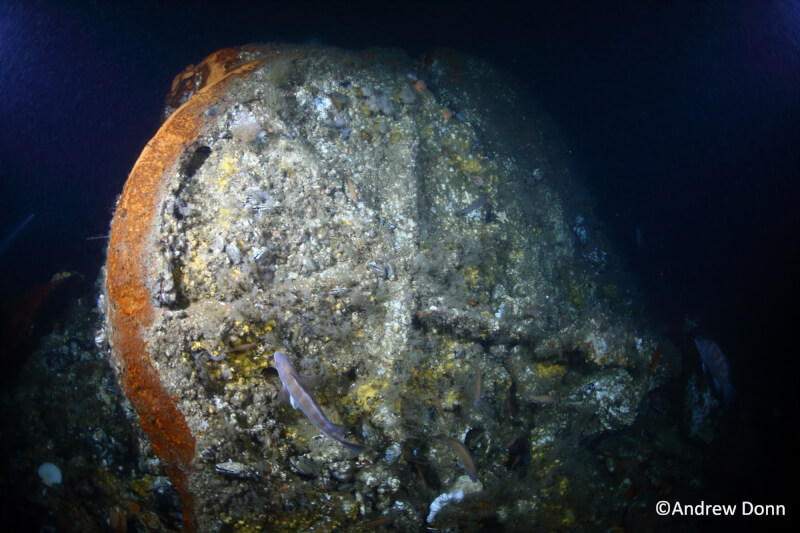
{"x":130,"y":308}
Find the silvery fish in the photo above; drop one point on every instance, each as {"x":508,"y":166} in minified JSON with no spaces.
{"x":465,"y":459}
{"x":302,"y":399}
{"x":474,"y":206}
{"x":714,"y":363}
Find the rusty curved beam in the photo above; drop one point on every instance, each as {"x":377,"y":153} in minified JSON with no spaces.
{"x":131,"y":310}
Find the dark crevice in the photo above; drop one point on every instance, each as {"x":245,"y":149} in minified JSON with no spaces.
{"x":191,"y":164}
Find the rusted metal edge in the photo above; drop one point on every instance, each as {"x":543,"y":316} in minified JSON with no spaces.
{"x":131,"y":311}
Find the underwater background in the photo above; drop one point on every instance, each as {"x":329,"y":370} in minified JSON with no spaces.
{"x":683,"y":120}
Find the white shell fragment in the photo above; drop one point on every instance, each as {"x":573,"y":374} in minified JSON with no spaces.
{"x":50,"y":474}
{"x":443,"y":500}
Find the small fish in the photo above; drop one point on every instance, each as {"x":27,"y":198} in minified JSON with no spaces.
{"x":243,"y":347}
{"x":436,"y":403}
{"x":351,"y":190}
{"x":421,"y":477}
{"x":655,"y":360}
{"x":478,"y":384}
{"x":542,"y":399}
{"x":301,"y":399}
{"x":513,"y":441}
{"x":463,"y":456}
{"x":715,"y":363}
{"x":477,"y":204}
{"x":382,"y":521}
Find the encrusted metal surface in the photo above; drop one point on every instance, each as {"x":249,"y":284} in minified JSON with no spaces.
{"x":409,"y":233}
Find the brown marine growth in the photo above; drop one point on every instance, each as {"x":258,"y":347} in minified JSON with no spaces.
{"x":31,"y":315}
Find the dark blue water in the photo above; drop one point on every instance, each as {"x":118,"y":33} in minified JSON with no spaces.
{"x":685,"y":120}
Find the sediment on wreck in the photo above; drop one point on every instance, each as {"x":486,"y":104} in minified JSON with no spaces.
{"x":411,"y":233}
